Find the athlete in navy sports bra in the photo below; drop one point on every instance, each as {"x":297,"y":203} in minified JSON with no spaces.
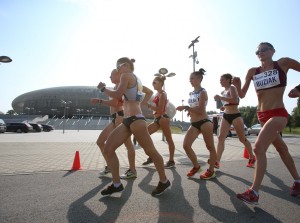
{"x":269,"y":81}
{"x":131,"y":88}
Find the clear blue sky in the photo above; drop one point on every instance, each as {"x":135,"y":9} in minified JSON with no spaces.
{"x":77,"y":42}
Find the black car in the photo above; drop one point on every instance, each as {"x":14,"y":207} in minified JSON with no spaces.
{"x":2,"y":126}
{"x":19,"y":127}
{"x":36,"y":127}
{"x":47,"y":128}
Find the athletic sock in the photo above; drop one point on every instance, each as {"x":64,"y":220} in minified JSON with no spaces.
{"x":116,"y":185}
{"x":256,"y":193}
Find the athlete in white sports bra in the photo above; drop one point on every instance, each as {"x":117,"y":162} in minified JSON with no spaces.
{"x":130,"y":88}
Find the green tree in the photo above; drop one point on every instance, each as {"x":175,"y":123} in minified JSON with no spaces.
{"x":295,"y":120}
{"x":249,"y":115}
{"x":11,"y":112}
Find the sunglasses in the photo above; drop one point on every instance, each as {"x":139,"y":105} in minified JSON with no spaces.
{"x":262,"y":50}
{"x":120,"y":65}
{"x":154,"y":82}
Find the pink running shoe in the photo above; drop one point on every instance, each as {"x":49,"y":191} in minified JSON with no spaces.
{"x":249,"y":197}
{"x":251,"y":162}
{"x":295,"y":190}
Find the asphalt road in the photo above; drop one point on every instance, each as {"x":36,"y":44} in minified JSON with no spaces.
{"x":38,"y":188}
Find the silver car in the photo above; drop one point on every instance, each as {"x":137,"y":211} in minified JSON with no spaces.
{"x":254,"y":129}
{"x":2,"y":126}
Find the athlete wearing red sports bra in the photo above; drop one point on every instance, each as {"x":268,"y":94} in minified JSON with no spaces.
{"x":231,"y":116}
{"x":161,"y":119}
{"x":269,"y":80}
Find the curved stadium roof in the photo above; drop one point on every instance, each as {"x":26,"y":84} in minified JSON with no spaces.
{"x":48,"y":101}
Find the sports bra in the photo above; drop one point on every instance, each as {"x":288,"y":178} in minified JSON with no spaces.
{"x":156,"y":101}
{"x":273,"y":78}
{"x":134,"y":93}
{"x":226,"y":94}
{"x":195,"y":97}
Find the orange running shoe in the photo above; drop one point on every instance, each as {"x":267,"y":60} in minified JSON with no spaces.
{"x":193,"y":171}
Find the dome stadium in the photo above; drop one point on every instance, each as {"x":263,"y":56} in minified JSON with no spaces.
{"x":69,"y":101}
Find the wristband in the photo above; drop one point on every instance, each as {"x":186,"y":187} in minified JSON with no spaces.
{"x":103,"y":89}
{"x":298,"y":87}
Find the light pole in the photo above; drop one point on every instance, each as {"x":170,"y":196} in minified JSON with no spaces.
{"x":53,"y":110}
{"x":65,"y":106}
{"x":78,"y":116}
{"x":5,"y":59}
{"x":194,"y":55}
{"x":182,"y":110}
{"x":164,"y":72}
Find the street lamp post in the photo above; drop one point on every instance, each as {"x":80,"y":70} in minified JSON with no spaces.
{"x":182,"y":110}
{"x":65,"y":106}
{"x":194,"y":55}
{"x":27,"y":108}
{"x":164,"y":72}
{"x":53,"y":110}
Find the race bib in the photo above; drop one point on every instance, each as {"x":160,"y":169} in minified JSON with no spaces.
{"x":267,"y":79}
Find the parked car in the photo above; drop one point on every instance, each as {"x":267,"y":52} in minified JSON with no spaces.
{"x":36,"y":127}
{"x":254,"y":129}
{"x":233,"y":131}
{"x":19,"y":127}
{"x":2,"y":126}
{"x":47,"y":128}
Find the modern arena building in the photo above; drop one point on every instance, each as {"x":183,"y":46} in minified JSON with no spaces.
{"x":71,"y":101}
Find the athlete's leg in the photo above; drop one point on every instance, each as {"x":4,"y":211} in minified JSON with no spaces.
{"x":238,"y":124}
{"x":223,"y":132}
{"x":207,"y":132}
{"x":286,"y":157}
{"x":190,"y":136}
{"x":165,"y":126}
{"x":140,"y":132}
{"x":129,"y":146}
{"x":117,"y":137}
{"x":269,"y":132}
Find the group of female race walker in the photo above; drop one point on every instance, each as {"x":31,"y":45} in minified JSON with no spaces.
{"x":129,"y":95}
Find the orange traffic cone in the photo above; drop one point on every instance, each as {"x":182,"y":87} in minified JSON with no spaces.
{"x":246,"y":154}
{"x":76,"y":163}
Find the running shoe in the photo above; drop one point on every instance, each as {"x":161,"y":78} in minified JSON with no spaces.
{"x":170,"y":164}
{"x":161,"y":187}
{"x":251,"y":162}
{"x":112,"y":189}
{"x":295,"y":190}
{"x":249,"y":197}
{"x":208,"y":175}
{"x":129,"y":174}
{"x":217,"y":164}
{"x":149,"y":160}
{"x":193,"y":171}
{"x":105,"y":171}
